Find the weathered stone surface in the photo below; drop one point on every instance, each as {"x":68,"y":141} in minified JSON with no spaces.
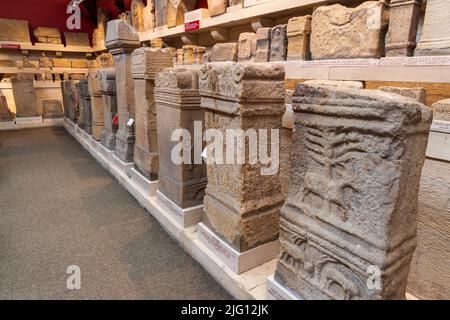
{"x":5,"y":113}
{"x":335,"y":83}
{"x":224,"y":52}
{"x":441,"y":110}
{"x":242,"y":200}
{"x":61,"y":63}
{"x":286,"y":145}
{"x":298,"y":32}
{"x":178,"y":106}
{"x":14,"y":30}
{"x":80,"y":113}
{"x":52,"y":109}
{"x":70,"y":99}
{"x":341,"y":32}
{"x":99,"y":34}
{"x":263,"y":40}
{"x":199,"y":52}
{"x":279,"y":43}
{"x":85,"y":107}
{"x":176,"y":10}
{"x":217,"y":7}
{"x":78,"y":63}
{"x":7,"y":63}
{"x":121,"y":41}
{"x":105,"y":60}
{"x":341,"y":219}
{"x":435,"y":38}
{"x":24,"y":95}
{"x":403,"y":23}
{"x":188,"y":54}
{"x":146,"y":63}
{"x":247,"y":46}
{"x":137,"y":15}
{"x":77,"y":39}
{"x":97,"y":106}
{"x":149,"y":16}
{"x":48,"y":35}
{"x":418,"y":94}
{"x":45,"y":62}
{"x":126,"y":16}
{"x":107,"y":78}
{"x":161,"y":12}
{"x":156,"y":43}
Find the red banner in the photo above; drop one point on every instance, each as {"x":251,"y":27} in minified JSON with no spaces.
{"x":9,"y":46}
{"x":194,"y":25}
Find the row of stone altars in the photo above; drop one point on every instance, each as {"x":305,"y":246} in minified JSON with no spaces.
{"x":346,"y":228}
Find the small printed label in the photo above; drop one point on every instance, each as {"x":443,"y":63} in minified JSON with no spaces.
{"x":130,"y":122}
{"x":9,"y":46}
{"x":440,"y":126}
{"x":194,"y":25}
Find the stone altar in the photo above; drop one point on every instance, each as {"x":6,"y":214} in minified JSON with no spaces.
{"x":339,"y":32}
{"x":14,"y":30}
{"x":243,"y":198}
{"x":247,"y":46}
{"x":121,"y":41}
{"x":149,"y":16}
{"x":298,"y":32}
{"x":97,"y":106}
{"x":347,"y":232}
{"x":145,"y":64}
{"x":137,"y":15}
{"x":48,"y":35}
{"x":279,"y":43}
{"x":107,"y":78}
{"x":98,"y":36}
{"x":24,"y":95}
{"x":176,"y":10}
{"x":80,"y":39}
{"x":85,"y":107}
{"x":161,"y":12}
{"x":263,"y":39}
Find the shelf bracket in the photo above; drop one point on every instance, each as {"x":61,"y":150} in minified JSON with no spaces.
{"x":262,"y":23}
{"x":220,"y":34}
{"x":189,"y":38}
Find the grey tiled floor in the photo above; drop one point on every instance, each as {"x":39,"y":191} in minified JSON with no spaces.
{"x":58,"y":207}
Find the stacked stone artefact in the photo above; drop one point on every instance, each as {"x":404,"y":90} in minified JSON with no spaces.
{"x":349,"y":232}
{"x":99,"y":34}
{"x":418,"y":94}
{"x":137,"y":15}
{"x":339,"y":32}
{"x":48,"y":35}
{"x":298,"y":31}
{"x":247,"y":46}
{"x":403,"y":23}
{"x":24,"y":95}
{"x":5,"y":114}
{"x":85,"y":107}
{"x":435,"y":38}
{"x":178,"y":107}
{"x":97,"y":106}
{"x":121,"y":41}
{"x":243,"y":198}
{"x":80,"y":113}
{"x":107,"y":78}
{"x":146,"y":63}
{"x":263,"y":39}
{"x":279,"y":43}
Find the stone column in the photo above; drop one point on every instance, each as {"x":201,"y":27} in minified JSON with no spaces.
{"x":121,"y":41}
{"x":436,"y":29}
{"x":97,"y":107}
{"x":348,"y":227}
{"x":403,"y":23}
{"x":146,"y":63}
{"x":181,"y":186}
{"x":24,"y":95}
{"x":86,"y":109}
{"x":107,"y":78}
{"x":243,"y":199}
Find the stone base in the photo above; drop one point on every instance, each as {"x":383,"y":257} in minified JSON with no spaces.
{"x":107,"y":154}
{"x":122,"y":166}
{"x":124,"y":147}
{"x":29,"y":121}
{"x":275,"y":291}
{"x":185,"y":217}
{"x":148,"y":187}
{"x":69,"y":126}
{"x":7,"y":125}
{"x":433,"y":48}
{"x":109,"y":141}
{"x":237,"y":261}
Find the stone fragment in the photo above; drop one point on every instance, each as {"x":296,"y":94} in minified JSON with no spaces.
{"x":178,"y":107}
{"x":97,"y":106}
{"x":48,"y":35}
{"x":247,"y":46}
{"x":5,"y":113}
{"x":70,"y":99}
{"x":403,"y":23}
{"x":224,"y":52}
{"x":199,"y":52}
{"x":156,"y":43}
{"x":85,"y":107}
{"x":263,"y":39}
{"x":418,"y":94}
{"x":126,"y":16}
{"x":188,"y":54}
{"x":339,"y":32}
{"x":105,"y":60}
{"x":137,"y":15}
{"x":243,"y":198}
{"x":180,"y":56}
{"x":217,"y":7}
{"x":52,"y":109}
{"x":121,"y":41}
{"x":342,"y":222}
{"x":279,"y":43}
{"x":78,"y":63}
{"x":286,"y":145}
{"x":24,"y":95}
{"x":176,"y":10}
{"x":298,"y":32}
{"x":14,"y":30}
{"x":107,"y":78}
{"x":435,"y":38}
{"x":161,"y":12}
{"x":99,"y":34}
{"x":146,"y":63}
{"x":441,"y":110}
{"x":335,"y":83}
{"x":149,"y":16}
{"x":61,"y":63}
{"x":77,"y":39}
{"x":80,"y":112}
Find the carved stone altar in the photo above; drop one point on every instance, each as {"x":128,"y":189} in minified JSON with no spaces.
{"x":298,"y":32}
{"x":5,"y":114}
{"x":146,"y":63}
{"x":24,"y":95}
{"x":121,"y":41}
{"x":243,"y":198}
{"x":107,"y":78}
{"x":85,"y":107}
{"x":348,"y":227}
{"x":97,"y":106}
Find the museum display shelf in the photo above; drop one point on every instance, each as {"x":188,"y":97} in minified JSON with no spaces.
{"x":56,"y":70}
{"x":12,"y":45}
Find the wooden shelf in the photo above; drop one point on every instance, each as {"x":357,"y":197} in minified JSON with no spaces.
{"x":13,"y":70}
{"x":46,"y":47}
{"x":239,"y":17}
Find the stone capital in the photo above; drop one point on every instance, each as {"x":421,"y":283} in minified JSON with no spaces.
{"x":147,"y":62}
{"x":107,"y":78}
{"x":121,"y":37}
